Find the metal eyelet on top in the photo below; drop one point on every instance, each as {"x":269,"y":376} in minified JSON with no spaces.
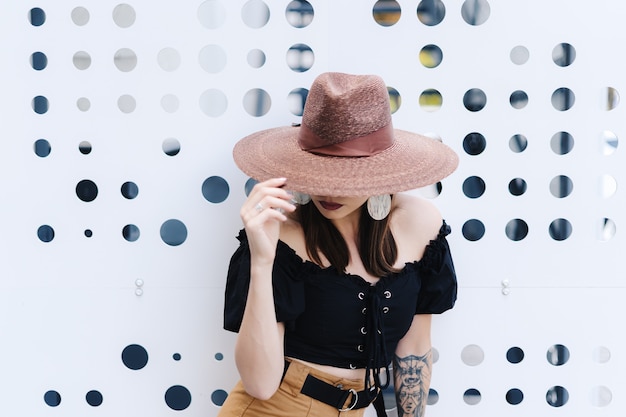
{"x":352,"y":366}
{"x":363,"y":330}
{"x":364,"y":310}
{"x":360,"y":348}
{"x":385,"y":310}
{"x":387,"y":294}
{"x":361,"y":295}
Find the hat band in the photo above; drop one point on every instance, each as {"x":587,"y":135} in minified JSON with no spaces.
{"x":367,"y":145}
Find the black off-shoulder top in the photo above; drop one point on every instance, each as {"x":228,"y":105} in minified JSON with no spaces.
{"x":340,"y":319}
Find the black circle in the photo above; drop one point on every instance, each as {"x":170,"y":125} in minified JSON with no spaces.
{"x":135,"y":357}
{"x":218,"y":397}
{"x":215,"y":189}
{"x":178,"y":397}
{"x":474,"y":143}
{"x":130,"y":190}
{"x":37,"y":16}
{"x":42,"y":148}
{"x":474,"y":99}
{"x":88,"y":233}
{"x":473,"y":187}
{"x":515,"y":355}
{"x":516,"y":229}
{"x":94,"y":398}
{"x":514,"y":396}
{"x":517,"y":186}
{"x":38,"y":61}
{"x":52,"y":398}
{"x":87,"y":190}
{"x":45,"y":233}
{"x":473,"y":230}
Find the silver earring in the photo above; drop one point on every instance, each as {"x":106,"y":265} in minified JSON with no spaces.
{"x":300,"y":198}
{"x":379,"y":206}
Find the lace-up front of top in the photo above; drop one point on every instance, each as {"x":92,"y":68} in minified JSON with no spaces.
{"x":342,"y":320}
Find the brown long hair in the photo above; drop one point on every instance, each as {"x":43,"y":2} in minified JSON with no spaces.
{"x":377,"y":247}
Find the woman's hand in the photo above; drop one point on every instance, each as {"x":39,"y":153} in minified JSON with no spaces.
{"x":262,"y":214}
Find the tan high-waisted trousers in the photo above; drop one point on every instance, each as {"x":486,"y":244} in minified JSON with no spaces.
{"x":288,"y":401}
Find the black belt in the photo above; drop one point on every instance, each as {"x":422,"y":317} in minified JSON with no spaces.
{"x":341,"y":399}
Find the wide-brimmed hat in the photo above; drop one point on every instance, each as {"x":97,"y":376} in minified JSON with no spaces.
{"x":345,"y":145}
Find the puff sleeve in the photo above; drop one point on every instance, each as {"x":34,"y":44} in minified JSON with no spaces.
{"x":439,"y":284}
{"x":287,"y":286}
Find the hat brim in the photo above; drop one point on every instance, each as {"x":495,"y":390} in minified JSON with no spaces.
{"x":413,"y":161}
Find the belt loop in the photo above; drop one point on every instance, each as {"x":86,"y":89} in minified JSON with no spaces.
{"x":293,"y":377}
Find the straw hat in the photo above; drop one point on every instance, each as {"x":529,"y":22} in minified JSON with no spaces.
{"x":346,"y":145}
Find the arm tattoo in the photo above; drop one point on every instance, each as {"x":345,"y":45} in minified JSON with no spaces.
{"x":412,"y":381}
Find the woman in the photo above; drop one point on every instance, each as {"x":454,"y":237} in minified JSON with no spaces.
{"x":332,"y":283}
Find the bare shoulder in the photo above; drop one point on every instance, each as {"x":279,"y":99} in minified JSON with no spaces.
{"x":415,"y":222}
{"x":292,"y":234}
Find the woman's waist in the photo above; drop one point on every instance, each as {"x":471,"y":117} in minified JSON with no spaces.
{"x":357,"y":374}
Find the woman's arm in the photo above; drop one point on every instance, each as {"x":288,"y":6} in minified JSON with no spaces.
{"x":412,"y":368}
{"x":259,"y":351}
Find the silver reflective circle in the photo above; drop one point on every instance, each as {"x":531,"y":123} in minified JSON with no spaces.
{"x":601,"y":354}
{"x":296,"y":100}
{"x":83,"y":104}
{"x":212,"y":59}
{"x":124,"y":15}
{"x":395,"y":100}
{"x":125,"y":60}
{"x":127,"y":103}
{"x":212,"y":14}
{"x":611,"y":98}
{"x":608,"y":186}
{"x":560,"y":229}
{"x":561,"y":186}
{"x":563,"y":99}
{"x":601,"y":396}
{"x":609,"y":142}
{"x":471,"y":396}
{"x":431,"y":12}
{"x":170,"y":103}
{"x":563,"y":54}
{"x":300,"y":57}
{"x":562,"y":143}
{"x":386,"y":12}
{"x":430,"y":100}
{"x":518,"y":143}
{"x":171,"y":146}
{"x":256,"y":58}
{"x":255,"y":14}
{"x":472,"y":355}
{"x":299,"y":13}
{"x":168,"y":59}
{"x":257,"y":102}
{"x":431,"y":56}
{"x":557,"y":396}
{"x":606,"y":230}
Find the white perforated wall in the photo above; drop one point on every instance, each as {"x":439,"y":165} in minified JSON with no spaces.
{"x":120,"y":200}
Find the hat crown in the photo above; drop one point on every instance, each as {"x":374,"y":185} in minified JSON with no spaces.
{"x":341,"y":107}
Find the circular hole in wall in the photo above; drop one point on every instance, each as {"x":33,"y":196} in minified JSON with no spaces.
{"x":601,"y":354}
{"x":257,"y":102}
{"x":45,"y":233}
{"x":126,"y":103}
{"x":83,"y":104}
{"x":80,"y":16}
{"x":608,"y":186}
{"x":608,"y":142}
{"x":471,"y":396}
{"x":516,"y":229}
{"x":563,"y":99}
{"x":215,"y":189}
{"x":135,"y":357}
{"x":557,"y":396}
{"x":563,"y":54}
{"x":518,"y":99}
{"x":212,"y":59}
{"x":514,"y":396}
{"x":40,"y":105}
{"x":256,"y":58}
{"x":52,"y":398}
{"x":218,"y":397}
{"x":518,"y":143}
{"x":395,"y":100}
{"x":474,"y":99}
{"x":213,"y":102}
{"x":386,"y":12}
{"x":300,"y":57}
{"x":474,"y":143}
{"x":212,"y":14}
{"x":39,"y":61}
{"x":124,"y":15}
{"x":433,"y":397}
{"x":177,"y":397}
{"x":611,"y":98}
{"x":176,"y":356}
{"x":129,"y":190}
{"x":42,"y":148}
{"x":473,"y":230}
{"x":94,"y":398}
{"x":170,"y":103}
{"x":601,"y":396}
{"x":86,"y":190}
{"x":515,"y":355}
{"x":472,"y":355}
{"x":171,"y":146}
{"x":84,"y":147}
{"x":255,"y":14}
{"x":562,"y":143}
{"x":557,"y":355}
{"x":169,"y":59}
{"x":473,"y":187}
{"x":606,"y":229}
{"x":88,"y":233}
{"x":173,"y":232}
{"x":296,"y":100}
{"x":519,"y":55}
{"x":36,"y":16}
{"x":299,"y":13}
{"x":475,"y":12}
{"x":219,"y":356}
{"x":561,"y":186}
{"x":431,"y":56}
{"x":560,"y":229}
{"x":517,"y":186}
{"x":81,"y":60}
{"x":431,"y":12}
{"x":130,"y":232}
{"x":125,"y":59}
{"x":430,"y":100}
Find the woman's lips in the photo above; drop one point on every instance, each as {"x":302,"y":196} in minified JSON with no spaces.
{"x":330,"y":206}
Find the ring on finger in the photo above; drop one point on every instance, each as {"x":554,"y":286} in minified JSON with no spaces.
{"x":259,"y":207}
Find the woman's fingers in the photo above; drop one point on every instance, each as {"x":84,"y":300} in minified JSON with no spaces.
{"x":268,"y":195}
